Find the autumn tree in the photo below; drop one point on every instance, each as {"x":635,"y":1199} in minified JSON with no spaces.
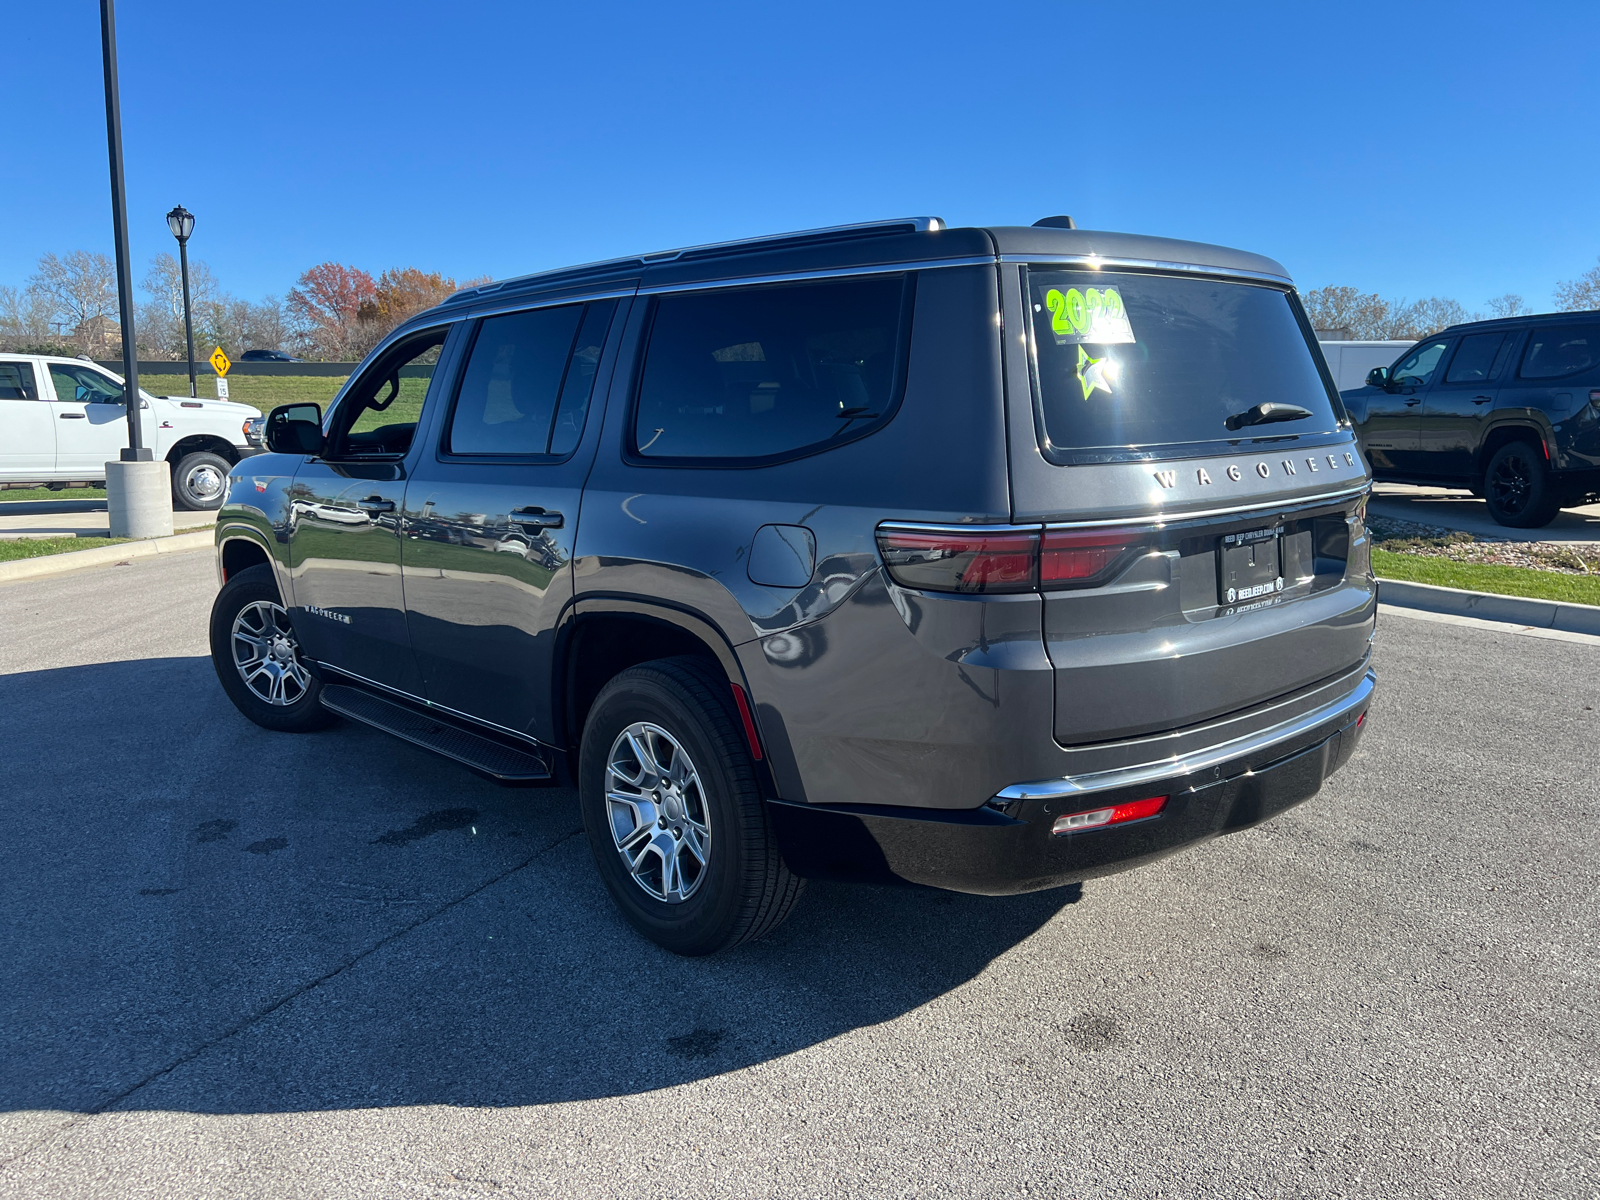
{"x":1582,"y":293}
{"x":325,"y":305}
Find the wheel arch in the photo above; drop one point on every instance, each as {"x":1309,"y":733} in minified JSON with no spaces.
{"x":194,"y":442}
{"x":1520,"y":429}
{"x":238,"y":548}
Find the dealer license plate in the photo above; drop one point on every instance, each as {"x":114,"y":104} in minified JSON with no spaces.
{"x":1249,"y":565}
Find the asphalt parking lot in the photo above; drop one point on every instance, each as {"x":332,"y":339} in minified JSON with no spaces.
{"x":247,"y":964}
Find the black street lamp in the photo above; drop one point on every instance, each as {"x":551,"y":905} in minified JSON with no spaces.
{"x":181,"y":221}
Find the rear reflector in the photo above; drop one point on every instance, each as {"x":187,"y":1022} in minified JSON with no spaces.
{"x":1134,"y":810}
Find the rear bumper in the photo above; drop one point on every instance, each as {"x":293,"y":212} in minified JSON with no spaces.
{"x":1007,"y":846}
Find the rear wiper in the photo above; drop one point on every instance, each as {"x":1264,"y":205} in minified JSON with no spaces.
{"x":1266,"y":414}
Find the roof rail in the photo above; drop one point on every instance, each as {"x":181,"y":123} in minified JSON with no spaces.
{"x":710,"y":249}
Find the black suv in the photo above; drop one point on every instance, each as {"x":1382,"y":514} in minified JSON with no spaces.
{"x":991,"y":559}
{"x":1509,"y":409}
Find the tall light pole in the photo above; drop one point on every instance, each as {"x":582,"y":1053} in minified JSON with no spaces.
{"x":138,"y":486}
{"x":181,"y":221}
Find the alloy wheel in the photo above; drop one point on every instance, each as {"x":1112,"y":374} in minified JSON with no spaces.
{"x":1511,"y":484}
{"x":267,"y":655}
{"x":657,"y":808}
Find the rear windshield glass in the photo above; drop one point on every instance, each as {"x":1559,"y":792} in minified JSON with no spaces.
{"x":1133,"y":362}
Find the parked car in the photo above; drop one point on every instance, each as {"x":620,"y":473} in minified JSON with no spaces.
{"x":1509,"y":409}
{"x":268,"y":356}
{"x":63,"y":419}
{"x":990,"y":559}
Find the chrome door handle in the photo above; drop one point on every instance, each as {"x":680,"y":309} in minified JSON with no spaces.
{"x":536,"y":517}
{"x":74,"y":416}
{"x":375,"y":504}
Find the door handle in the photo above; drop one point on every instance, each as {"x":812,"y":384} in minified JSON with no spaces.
{"x":1482,"y":399}
{"x":375,"y":504}
{"x":536,"y":517}
{"x":1413,"y":403}
{"x":74,"y":416}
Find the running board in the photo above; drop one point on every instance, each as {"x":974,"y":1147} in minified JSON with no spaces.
{"x":433,"y":733}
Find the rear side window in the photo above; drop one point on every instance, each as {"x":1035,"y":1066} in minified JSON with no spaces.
{"x":1475,"y":358}
{"x":16,"y":381}
{"x":1561,"y":350}
{"x":1126,"y":361}
{"x":760,"y":374}
{"x":526,"y":387}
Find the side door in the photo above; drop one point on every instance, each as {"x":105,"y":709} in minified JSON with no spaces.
{"x":27,"y":426}
{"x":1394,"y":414}
{"x":492,"y":509}
{"x":1457,"y":407}
{"x":344,"y":539}
{"x":1552,"y":388}
{"x":91,"y":419}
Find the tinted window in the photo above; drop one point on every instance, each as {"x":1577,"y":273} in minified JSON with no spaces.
{"x":16,"y":381}
{"x":1475,"y":358}
{"x":1126,"y":360}
{"x":508,"y":393}
{"x":1417,"y":368}
{"x":762,"y":372}
{"x":1564,"y":350}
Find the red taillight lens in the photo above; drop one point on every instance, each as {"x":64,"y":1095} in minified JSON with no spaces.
{"x":1117,"y":814}
{"x":952,"y":562}
{"x":1069,"y":556}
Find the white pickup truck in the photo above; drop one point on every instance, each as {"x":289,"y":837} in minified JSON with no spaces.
{"x":63,"y":419}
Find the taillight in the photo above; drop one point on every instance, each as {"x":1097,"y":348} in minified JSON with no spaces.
{"x":1020,"y":560}
{"x":1069,"y":556}
{"x":955,"y":562}
{"x":1117,"y":814}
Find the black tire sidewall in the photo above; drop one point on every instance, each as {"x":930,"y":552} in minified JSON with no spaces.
{"x":188,"y":463}
{"x":1543,"y":503}
{"x":709,"y":919}
{"x":244,"y":588}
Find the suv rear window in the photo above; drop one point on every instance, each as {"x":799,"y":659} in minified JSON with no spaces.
{"x":761,"y":374}
{"x":1126,"y":361}
{"x":1562,"y":350}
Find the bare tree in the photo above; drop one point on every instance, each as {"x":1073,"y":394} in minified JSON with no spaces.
{"x":1362,"y":314}
{"x":25,"y":320}
{"x":1509,"y":305}
{"x":1580,"y":294}
{"x":81,"y":290}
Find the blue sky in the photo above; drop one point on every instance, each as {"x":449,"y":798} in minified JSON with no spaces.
{"x":1409,"y":149}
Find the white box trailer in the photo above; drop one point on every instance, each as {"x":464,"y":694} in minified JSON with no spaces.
{"x":1350,"y":361}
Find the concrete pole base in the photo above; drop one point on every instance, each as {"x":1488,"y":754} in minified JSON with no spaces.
{"x":139,"y":497}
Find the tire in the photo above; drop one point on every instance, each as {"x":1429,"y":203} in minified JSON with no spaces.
{"x":200,"y":481}
{"x":730,"y":884}
{"x":1518,"y":489}
{"x":271,"y":686}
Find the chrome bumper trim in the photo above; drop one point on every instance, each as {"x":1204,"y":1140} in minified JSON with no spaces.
{"x":1199,"y":760}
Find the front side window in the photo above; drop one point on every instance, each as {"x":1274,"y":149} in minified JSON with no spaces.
{"x":525,"y":390}
{"x":377,"y":418}
{"x":760,"y":374}
{"x":83,"y":385}
{"x":17,"y":382}
{"x":1562,"y":350}
{"x":1474,"y":360}
{"x":1417,"y":368}
{"x":1130,"y":361}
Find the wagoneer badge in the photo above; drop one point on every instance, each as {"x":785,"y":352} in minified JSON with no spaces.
{"x":1289,"y":466}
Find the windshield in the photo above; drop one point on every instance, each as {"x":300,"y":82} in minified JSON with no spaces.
{"x":1125,"y":361}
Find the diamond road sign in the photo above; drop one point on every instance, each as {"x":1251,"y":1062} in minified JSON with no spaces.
{"x":219,"y":360}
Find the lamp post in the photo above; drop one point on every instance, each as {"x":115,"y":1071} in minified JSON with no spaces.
{"x":181,"y":221}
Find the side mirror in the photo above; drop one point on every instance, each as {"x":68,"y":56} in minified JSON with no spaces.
{"x":1378,"y":377}
{"x":295,"y":429}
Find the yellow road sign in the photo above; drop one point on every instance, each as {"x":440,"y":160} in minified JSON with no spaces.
{"x":219,"y":360}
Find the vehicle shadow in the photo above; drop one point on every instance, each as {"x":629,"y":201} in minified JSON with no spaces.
{"x":204,"y":916}
{"x":24,"y":508}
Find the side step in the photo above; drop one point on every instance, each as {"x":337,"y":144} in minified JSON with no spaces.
{"x":431,"y":733}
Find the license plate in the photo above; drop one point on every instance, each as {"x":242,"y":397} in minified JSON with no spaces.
{"x":1249,"y":565}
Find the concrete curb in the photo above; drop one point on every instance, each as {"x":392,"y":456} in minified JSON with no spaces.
{"x":1512,"y":610}
{"x":100,"y":556}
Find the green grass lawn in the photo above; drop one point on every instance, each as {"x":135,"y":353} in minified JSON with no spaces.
{"x":40,"y":493}
{"x":262,"y":392}
{"x":1487,"y":577}
{"x":13,"y":549}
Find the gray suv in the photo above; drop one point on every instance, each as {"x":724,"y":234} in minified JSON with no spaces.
{"x":987,"y":559}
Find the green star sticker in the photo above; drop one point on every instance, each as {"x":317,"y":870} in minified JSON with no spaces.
{"x":1100,"y":373}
